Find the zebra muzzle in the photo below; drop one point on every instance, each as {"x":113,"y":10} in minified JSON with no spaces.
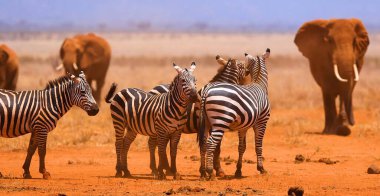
{"x":93,"y":111}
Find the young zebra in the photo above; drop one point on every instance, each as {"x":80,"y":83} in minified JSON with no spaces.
{"x":231,"y":71}
{"x":38,"y":112}
{"x":162,"y":116}
{"x":236,"y":107}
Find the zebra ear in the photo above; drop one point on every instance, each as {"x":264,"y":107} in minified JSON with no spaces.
{"x":192,"y":67}
{"x":176,"y":67}
{"x":76,"y":80}
{"x":221,"y":61}
{"x":82,"y":75}
{"x":266,"y":54}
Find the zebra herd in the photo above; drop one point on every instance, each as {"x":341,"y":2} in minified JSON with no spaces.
{"x":163,"y":114}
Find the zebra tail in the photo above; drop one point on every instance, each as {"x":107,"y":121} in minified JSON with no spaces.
{"x":202,"y":122}
{"x":111,"y":92}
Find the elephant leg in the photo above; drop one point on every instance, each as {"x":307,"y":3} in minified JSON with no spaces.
{"x":31,"y":150}
{"x":330,"y":112}
{"x":99,"y":86}
{"x":341,"y":122}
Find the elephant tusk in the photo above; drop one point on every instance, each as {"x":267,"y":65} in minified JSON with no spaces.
{"x":75,"y":66}
{"x":356,"y":72}
{"x":59,"y":67}
{"x":337,"y":74}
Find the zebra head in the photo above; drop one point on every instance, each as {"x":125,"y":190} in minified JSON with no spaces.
{"x":81,"y":95}
{"x":234,"y":68}
{"x":187,"y":81}
{"x":254,"y":64}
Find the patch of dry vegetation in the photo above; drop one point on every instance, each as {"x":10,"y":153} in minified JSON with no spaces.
{"x":291,"y":87}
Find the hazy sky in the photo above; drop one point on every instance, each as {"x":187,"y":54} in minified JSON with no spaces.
{"x":179,"y":13}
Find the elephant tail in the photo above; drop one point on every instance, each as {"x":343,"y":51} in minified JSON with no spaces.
{"x":111,"y":92}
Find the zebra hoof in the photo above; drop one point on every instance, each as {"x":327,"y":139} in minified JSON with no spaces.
{"x":127,"y":174}
{"x":161,"y":176}
{"x":238,"y":174}
{"x":169,"y":173}
{"x":220,"y":173}
{"x":263,"y":171}
{"x":46,"y":176}
{"x":118,"y":174}
{"x":211,"y":177}
{"x":154,"y":173}
{"x":27,"y":176}
{"x":177,"y":176}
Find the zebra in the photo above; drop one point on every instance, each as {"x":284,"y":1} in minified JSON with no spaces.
{"x":162,"y":116}
{"x":231,"y":71}
{"x":38,"y":111}
{"x":235,"y":107}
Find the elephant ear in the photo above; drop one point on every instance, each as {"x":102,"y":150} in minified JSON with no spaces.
{"x":62,"y":51}
{"x":362,"y":40}
{"x":310,"y":38}
{"x":4,"y":57}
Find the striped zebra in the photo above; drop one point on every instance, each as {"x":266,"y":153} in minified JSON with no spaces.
{"x":231,"y":71}
{"x":162,"y":116}
{"x":38,"y":111}
{"x":227,"y":107}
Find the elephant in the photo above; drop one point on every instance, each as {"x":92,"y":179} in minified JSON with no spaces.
{"x":335,"y":49}
{"x":88,"y":53}
{"x":9,"y":66}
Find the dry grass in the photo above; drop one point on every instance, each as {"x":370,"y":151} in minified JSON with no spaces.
{"x":144,"y":61}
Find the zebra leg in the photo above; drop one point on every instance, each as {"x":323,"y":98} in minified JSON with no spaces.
{"x":259,"y":135}
{"x":217,"y":167}
{"x":119,"y":127}
{"x":128,"y":139}
{"x":241,"y":149}
{"x":31,"y":149}
{"x":152,"y":143}
{"x":215,"y":138}
{"x":163,"y":139}
{"x":41,"y":141}
{"x":118,"y":147}
{"x":174,"y":140}
{"x":202,"y":168}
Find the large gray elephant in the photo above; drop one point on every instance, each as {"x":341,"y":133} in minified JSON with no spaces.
{"x":335,"y":50}
{"x":89,"y":53}
{"x":9,"y":66}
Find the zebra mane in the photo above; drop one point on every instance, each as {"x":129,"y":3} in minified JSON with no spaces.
{"x":61,"y":80}
{"x":221,"y":70}
{"x":174,"y":81}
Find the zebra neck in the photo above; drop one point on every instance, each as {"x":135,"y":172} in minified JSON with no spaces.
{"x":177,"y":100}
{"x":260,"y":76}
{"x":229,"y":75}
{"x":57,"y":100}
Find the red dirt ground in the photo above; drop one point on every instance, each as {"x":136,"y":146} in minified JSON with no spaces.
{"x":90,"y":170}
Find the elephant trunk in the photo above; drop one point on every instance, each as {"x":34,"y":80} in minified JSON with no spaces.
{"x":347,"y":101}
